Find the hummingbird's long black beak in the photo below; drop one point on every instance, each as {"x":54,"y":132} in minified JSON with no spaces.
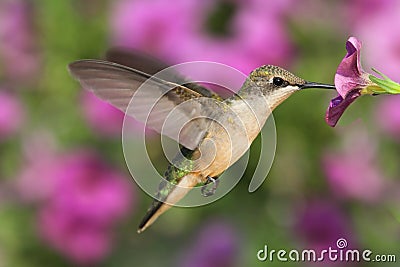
{"x":316,"y":85}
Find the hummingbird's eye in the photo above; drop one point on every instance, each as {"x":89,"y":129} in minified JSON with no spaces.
{"x":278,"y":81}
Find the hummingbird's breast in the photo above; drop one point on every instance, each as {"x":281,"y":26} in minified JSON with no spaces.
{"x":230,"y":135}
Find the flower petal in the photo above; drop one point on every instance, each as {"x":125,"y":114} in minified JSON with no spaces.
{"x":349,"y":74}
{"x":338,"y":105}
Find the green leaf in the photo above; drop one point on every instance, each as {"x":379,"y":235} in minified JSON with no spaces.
{"x":381,"y":74}
{"x":390,"y":86}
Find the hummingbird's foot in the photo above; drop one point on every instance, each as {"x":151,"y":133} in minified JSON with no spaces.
{"x":209,"y":192}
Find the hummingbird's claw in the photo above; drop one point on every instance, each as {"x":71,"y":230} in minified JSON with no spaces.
{"x":209,"y":192}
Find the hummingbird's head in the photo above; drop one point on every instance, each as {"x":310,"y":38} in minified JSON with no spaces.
{"x":277,"y":84}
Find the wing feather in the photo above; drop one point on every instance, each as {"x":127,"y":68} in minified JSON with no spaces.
{"x":153,"y":102}
{"x":150,"y":65}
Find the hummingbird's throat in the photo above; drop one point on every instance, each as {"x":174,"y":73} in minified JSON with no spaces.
{"x":276,"y":97}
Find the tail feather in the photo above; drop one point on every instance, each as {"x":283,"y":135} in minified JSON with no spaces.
{"x":177,"y":193}
{"x":149,"y":217}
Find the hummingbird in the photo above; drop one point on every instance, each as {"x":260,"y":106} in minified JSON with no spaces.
{"x":208,"y":146}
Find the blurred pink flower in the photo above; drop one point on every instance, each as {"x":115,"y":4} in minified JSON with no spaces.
{"x":36,"y":180}
{"x":101,"y":116}
{"x":81,"y":198}
{"x":89,"y":188}
{"x":319,"y":224}
{"x":377,"y":27}
{"x":387,"y":116}
{"x":353,"y":171}
{"x":106,"y":119}
{"x":362,"y":10}
{"x":278,"y":8}
{"x":82,"y":240}
{"x":16,"y":40}
{"x":217,"y":244}
{"x":254,"y":25}
{"x":152,"y":26}
{"x":11,"y":115}
{"x":178,"y":33}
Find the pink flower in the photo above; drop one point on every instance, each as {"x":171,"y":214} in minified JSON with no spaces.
{"x":378,"y":30}
{"x":217,"y":244}
{"x":16,"y":40}
{"x":254,"y":25}
{"x":87,"y":187}
{"x":80,"y":200}
{"x":102,"y":117}
{"x":361,"y":11}
{"x":106,"y":119}
{"x":349,"y":74}
{"x":320,"y":223}
{"x":350,"y":80}
{"x":152,"y":26}
{"x":11,"y":115}
{"x":246,"y":44}
{"x":36,"y":182}
{"x":351,"y":177}
{"x":82,"y":241}
{"x":388,"y":116}
{"x":353,"y":172}
{"x":338,"y":105}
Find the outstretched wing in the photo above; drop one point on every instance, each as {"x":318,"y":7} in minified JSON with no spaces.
{"x":150,"y":65}
{"x":153,"y":102}
{"x":135,"y":60}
